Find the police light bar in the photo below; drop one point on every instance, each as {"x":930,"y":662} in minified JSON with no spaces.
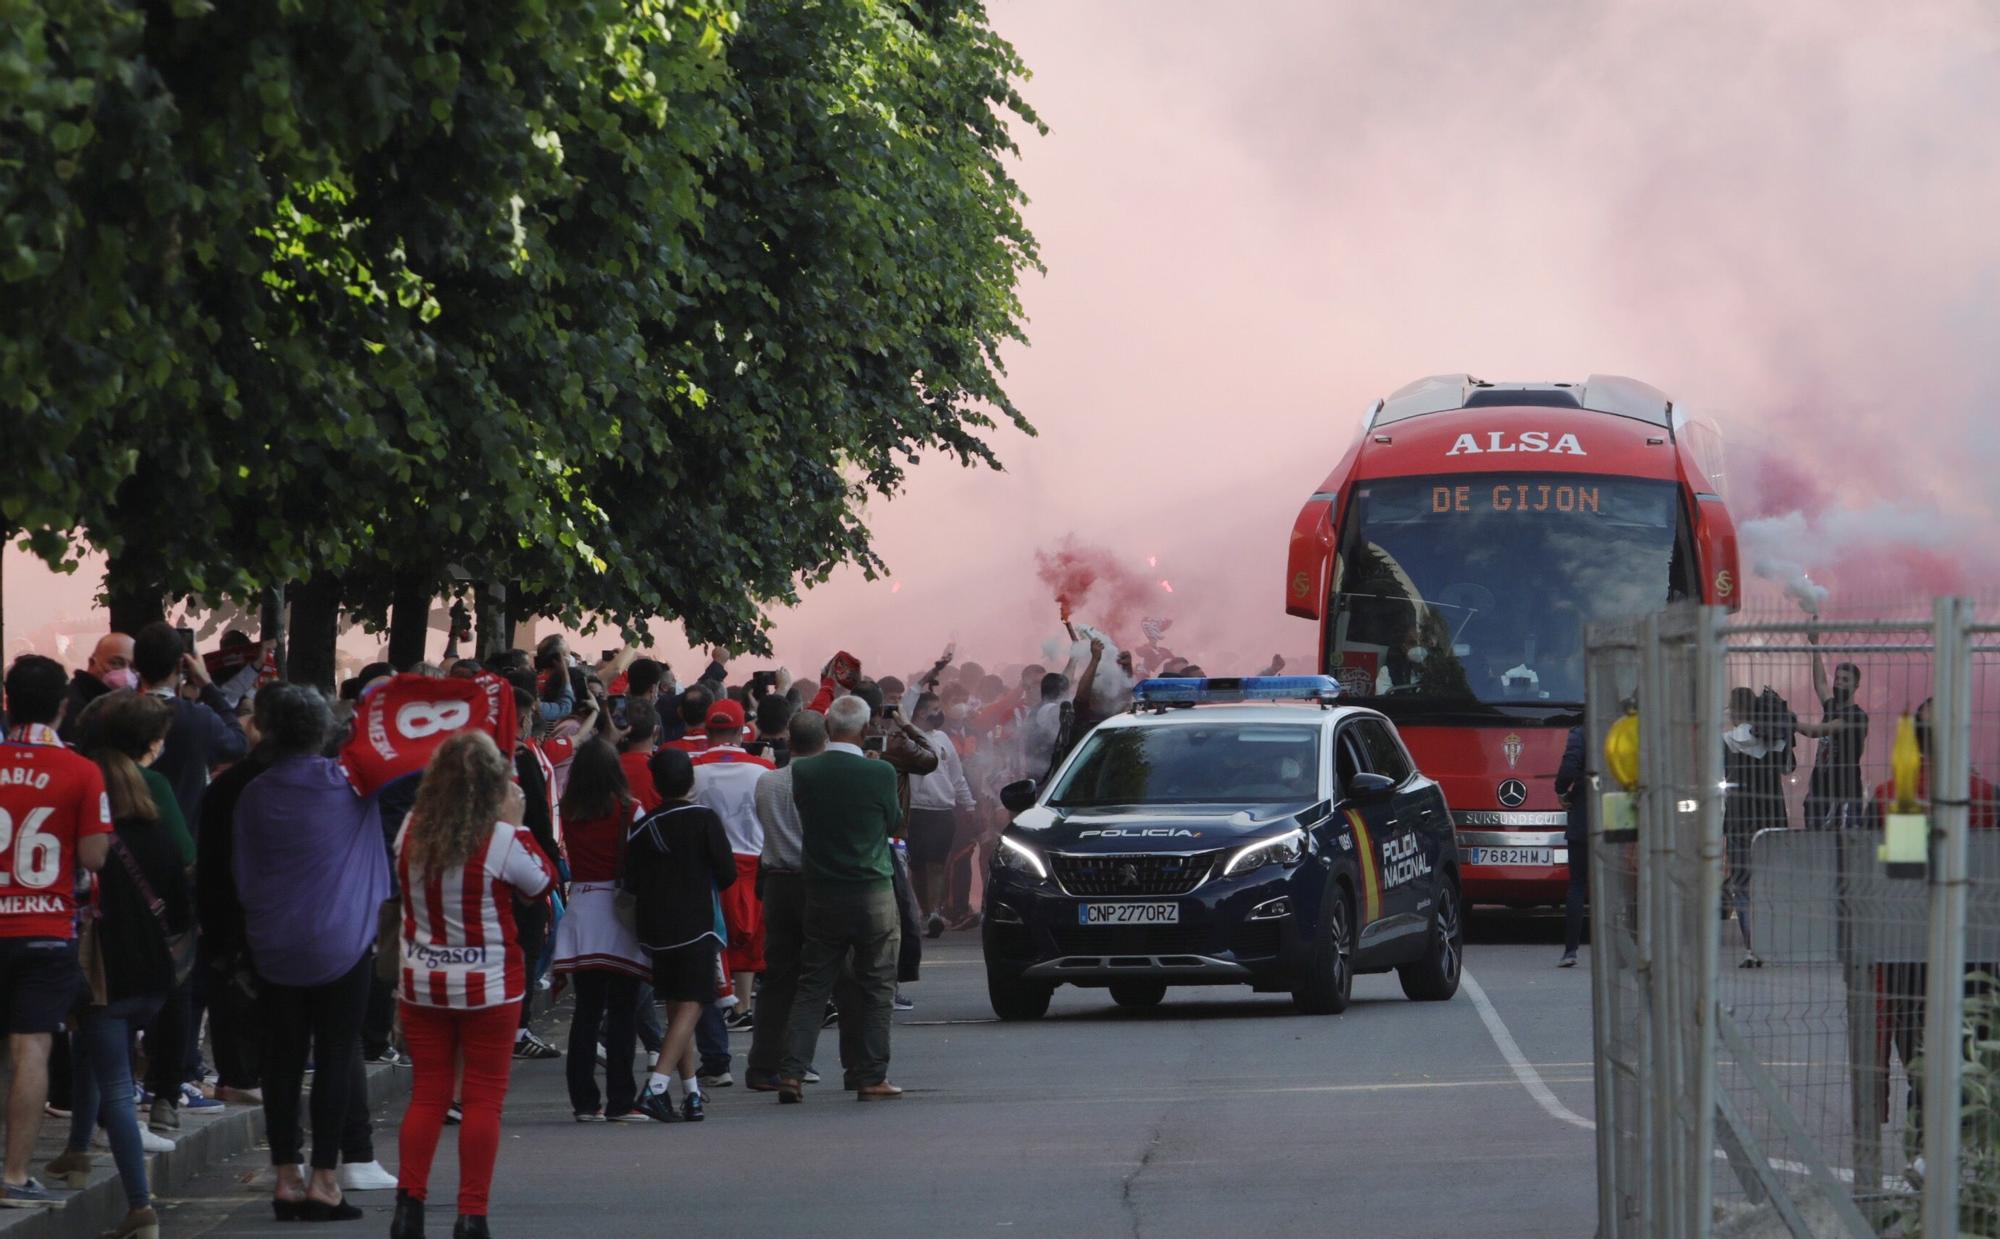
{"x":1218,"y":689}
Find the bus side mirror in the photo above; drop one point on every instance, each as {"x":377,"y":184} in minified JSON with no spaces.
{"x":1370,"y":788}
{"x":1019,"y":797}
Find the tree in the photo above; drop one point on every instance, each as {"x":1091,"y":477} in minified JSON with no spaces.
{"x":852,"y":286}
{"x":778,"y":301}
{"x":560,"y":294}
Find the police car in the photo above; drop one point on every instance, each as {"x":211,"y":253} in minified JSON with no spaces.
{"x":1246,"y":831}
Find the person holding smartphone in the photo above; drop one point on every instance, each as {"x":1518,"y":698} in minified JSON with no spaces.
{"x":205,"y":734}
{"x":908,"y":751}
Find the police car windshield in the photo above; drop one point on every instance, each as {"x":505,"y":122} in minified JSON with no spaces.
{"x":1475,"y":589}
{"x":1193,"y":763}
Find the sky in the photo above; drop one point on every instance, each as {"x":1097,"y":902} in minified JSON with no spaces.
{"x":1257,"y":219}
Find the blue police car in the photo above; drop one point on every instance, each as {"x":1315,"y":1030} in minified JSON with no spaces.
{"x":1246,"y":831}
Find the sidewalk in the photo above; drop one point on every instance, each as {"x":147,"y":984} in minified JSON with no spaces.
{"x":203,"y":1141}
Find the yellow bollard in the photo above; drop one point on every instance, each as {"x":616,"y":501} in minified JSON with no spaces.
{"x":1617,"y":816}
{"x":1906,"y":828}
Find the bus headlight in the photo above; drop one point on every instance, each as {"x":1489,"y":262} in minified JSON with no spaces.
{"x":1285,"y":849}
{"x":1021,"y":858}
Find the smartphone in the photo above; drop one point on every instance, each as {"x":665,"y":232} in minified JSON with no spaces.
{"x":610,"y":656}
{"x":763,"y":683}
{"x":874,"y":744}
{"x":187,"y":639}
{"x":617,"y":703}
{"x":891,"y":710}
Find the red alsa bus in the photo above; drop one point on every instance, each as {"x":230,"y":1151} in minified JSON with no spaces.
{"x":1453,"y":559}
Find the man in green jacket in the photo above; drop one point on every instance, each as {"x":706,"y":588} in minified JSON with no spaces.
{"x":848,"y":808}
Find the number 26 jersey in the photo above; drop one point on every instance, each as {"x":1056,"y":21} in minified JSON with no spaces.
{"x":50,"y":797}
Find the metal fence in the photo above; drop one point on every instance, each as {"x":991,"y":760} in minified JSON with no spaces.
{"x":1776,"y":951}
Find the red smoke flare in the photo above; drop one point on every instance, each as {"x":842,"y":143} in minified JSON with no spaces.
{"x":1090,"y":582}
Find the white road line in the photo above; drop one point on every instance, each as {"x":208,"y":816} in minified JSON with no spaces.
{"x":1530,"y":1079}
{"x":1524,"y":1071}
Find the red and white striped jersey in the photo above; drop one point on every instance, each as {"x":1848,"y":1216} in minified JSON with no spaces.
{"x":459,"y":946}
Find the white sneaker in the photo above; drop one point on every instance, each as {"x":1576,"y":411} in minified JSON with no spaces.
{"x":365,"y":1177}
{"x":149,"y":1140}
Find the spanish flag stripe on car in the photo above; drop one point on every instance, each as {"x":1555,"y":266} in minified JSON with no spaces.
{"x":1371,"y":894}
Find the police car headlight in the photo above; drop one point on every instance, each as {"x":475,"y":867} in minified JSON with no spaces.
{"x":1285,"y":849}
{"x":1021,"y":858}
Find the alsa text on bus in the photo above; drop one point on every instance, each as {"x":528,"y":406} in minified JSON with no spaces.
{"x":1526,"y":441}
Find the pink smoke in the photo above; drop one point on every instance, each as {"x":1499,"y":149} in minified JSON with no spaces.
{"x":1091,"y":584}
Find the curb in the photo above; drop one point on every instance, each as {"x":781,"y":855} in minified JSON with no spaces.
{"x":200,"y":1146}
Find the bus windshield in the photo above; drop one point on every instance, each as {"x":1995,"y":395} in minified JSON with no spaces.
{"x":1474,"y":590}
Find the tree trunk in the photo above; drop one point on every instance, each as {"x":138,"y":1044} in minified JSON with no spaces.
{"x":133,"y":600}
{"x":409,"y":622}
{"x":272,"y":625}
{"x":495,"y":630}
{"x":315,"y":626}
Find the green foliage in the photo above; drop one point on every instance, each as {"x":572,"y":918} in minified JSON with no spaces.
{"x":625,"y":302}
{"x":1978,"y":1117}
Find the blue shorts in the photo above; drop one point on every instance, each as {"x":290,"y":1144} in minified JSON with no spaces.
{"x":39,"y":983}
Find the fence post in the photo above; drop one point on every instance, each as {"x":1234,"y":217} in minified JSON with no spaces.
{"x":1656,"y":808}
{"x":1604,"y":951}
{"x":1711,"y":700}
{"x":1950,"y":808}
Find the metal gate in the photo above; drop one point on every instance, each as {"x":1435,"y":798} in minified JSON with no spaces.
{"x":1766,"y":976}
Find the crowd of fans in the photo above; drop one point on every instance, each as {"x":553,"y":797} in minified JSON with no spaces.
{"x":208,"y":908}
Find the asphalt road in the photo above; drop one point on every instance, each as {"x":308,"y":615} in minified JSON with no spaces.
{"x":1218,"y":1113}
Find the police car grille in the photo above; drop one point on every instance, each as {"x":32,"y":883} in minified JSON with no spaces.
{"x":1132,"y":940}
{"x":1132,"y":875}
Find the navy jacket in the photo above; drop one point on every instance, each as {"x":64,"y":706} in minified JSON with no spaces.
{"x":1573,"y":786}
{"x":205,"y":735}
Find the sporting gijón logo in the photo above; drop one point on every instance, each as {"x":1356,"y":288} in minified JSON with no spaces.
{"x":1499,"y":442}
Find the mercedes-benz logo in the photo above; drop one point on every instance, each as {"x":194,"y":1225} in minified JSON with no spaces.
{"x":1513,"y":793}
{"x":1128,"y":875}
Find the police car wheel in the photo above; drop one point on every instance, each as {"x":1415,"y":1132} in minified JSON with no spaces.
{"x":1434,"y":977}
{"x":1138,"y":993}
{"x":1014,"y":999}
{"x":1328,"y":980}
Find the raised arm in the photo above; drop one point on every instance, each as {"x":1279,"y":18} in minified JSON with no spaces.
{"x":226,"y":741}
{"x":620,"y":663}
{"x":909,"y":750}
{"x":1820,"y":693}
{"x":555,"y":709}
{"x":1088,"y":680}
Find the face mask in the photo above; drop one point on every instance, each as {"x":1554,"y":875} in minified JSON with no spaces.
{"x":1417,"y":654}
{"x":121,"y":679}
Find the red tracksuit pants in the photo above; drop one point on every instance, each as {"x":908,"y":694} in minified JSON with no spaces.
{"x":437,"y":1037}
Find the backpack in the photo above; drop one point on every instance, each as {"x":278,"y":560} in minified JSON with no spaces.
{"x":1773,"y":723}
